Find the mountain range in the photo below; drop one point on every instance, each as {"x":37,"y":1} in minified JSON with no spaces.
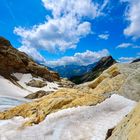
{"x":69,"y":71}
{"x":80,"y":74}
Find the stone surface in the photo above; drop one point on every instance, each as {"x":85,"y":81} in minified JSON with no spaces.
{"x":131,"y":86}
{"x":123,"y":78}
{"x":110,"y":80}
{"x":38,"y":94}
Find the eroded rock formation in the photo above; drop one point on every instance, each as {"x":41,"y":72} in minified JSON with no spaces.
{"x":62,"y":99}
{"x":12,"y":60}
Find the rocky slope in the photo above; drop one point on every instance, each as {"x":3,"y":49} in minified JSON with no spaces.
{"x":100,"y":66}
{"x":136,"y":60}
{"x":129,"y":127}
{"x":13,"y":61}
{"x":110,"y":81}
{"x":122,"y":78}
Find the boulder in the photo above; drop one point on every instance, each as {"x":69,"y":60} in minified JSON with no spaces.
{"x":66,"y":83}
{"x":36,"y":83}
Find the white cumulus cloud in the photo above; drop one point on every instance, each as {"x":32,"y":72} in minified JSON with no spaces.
{"x":133,"y":16}
{"x":104,"y":36}
{"x":64,"y":28}
{"x":126,"y":59}
{"x":78,"y":8}
{"x":84,"y":58}
{"x":33,"y":53}
{"x":126,"y":45}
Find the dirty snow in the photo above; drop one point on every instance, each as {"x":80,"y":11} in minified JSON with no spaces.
{"x":8,"y":102}
{"x":81,"y":123}
{"x":12,"y":95}
{"x":25,"y":78}
{"x":7,"y":88}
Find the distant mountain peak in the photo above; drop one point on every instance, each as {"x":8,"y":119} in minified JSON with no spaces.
{"x":136,"y":60}
{"x":101,"y":65}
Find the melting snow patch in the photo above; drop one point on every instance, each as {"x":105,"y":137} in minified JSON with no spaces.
{"x":8,"y":102}
{"x":25,"y":78}
{"x":81,"y":123}
{"x":12,"y":95}
{"x":7,"y":88}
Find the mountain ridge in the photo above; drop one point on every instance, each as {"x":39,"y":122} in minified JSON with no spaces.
{"x":101,"y":65}
{"x":68,"y":71}
{"x":12,"y":61}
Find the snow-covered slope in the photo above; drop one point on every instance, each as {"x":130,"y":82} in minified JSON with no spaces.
{"x":82,"y":123}
{"x":7,"y":88}
{"x":12,"y":95}
{"x":9,"y":102}
{"x":25,"y":78}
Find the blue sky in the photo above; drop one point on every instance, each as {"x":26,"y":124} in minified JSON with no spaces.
{"x":74,"y":31}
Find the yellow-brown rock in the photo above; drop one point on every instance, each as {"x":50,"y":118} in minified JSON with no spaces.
{"x":129,"y":127}
{"x":62,"y":99}
{"x":110,"y":80}
{"x":123,"y":78}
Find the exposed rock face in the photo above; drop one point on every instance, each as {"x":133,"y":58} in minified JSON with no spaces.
{"x":136,"y":60}
{"x":109,"y":133}
{"x":101,"y":65}
{"x":131,"y":86}
{"x":62,"y":99}
{"x":129,"y":127}
{"x":38,"y":94}
{"x":110,"y":80}
{"x":123,"y":78}
{"x":36,"y":83}
{"x":13,"y":60}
